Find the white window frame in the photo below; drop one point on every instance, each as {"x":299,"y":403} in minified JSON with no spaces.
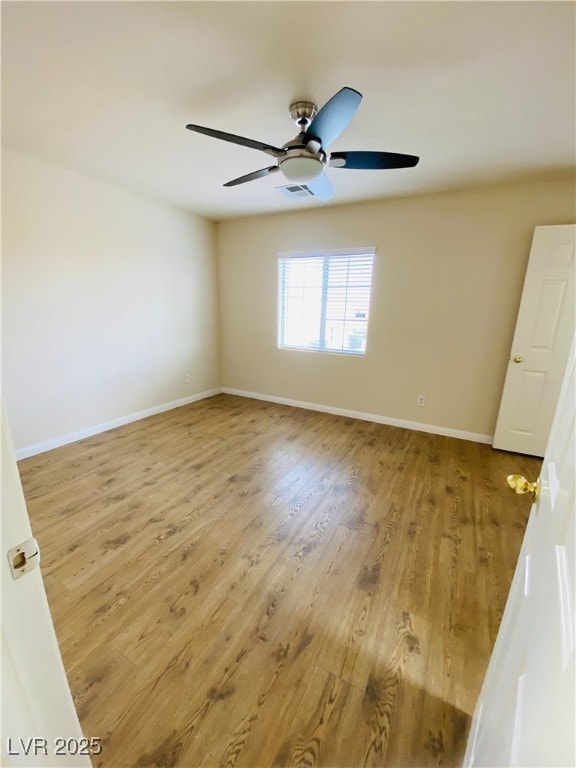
{"x":320,"y":254}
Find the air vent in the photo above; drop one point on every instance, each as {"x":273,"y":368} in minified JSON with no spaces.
{"x":296,"y":190}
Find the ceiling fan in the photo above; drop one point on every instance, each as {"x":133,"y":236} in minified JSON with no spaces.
{"x":304,"y":158}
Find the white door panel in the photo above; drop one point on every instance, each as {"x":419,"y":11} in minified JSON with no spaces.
{"x":526,"y":711}
{"x":541,"y":343}
{"x":39,"y":722}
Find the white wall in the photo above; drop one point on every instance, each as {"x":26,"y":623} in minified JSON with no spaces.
{"x":446,"y":288}
{"x":109,"y":299}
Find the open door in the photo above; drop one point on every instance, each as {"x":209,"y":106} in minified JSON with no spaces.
{"x":541,"y":343}
{"x":526,"y":710}
{"x":40,"y":726}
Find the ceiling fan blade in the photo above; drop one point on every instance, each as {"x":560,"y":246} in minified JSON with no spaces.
{"x":372,"y":160}
{"x":232,"y":138}
{"x":334,"y":116}
{"x":251,"y":176}
{"x":321,"y":187}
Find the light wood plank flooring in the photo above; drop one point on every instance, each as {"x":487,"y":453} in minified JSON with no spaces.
{"x":238,"y":583}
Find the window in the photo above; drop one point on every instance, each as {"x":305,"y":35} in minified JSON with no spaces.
{"x":323,"y":300}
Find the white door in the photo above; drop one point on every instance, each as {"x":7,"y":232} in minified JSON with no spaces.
{"x":526,"y":710}
{"x":541,"y":343}
{"x":39,"y":722}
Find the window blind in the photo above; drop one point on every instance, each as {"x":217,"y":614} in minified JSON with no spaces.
{"x":324,"y":300}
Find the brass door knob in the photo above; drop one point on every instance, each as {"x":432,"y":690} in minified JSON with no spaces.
{"x":518,"y":359}
{"x":519,"y":484}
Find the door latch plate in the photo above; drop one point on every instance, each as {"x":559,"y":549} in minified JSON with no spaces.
{"x":24,"y":558}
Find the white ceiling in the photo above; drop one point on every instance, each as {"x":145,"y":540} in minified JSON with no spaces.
{"x":481,"y":91}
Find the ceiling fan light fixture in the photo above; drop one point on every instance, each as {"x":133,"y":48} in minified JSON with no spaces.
{"x":301,"y":168}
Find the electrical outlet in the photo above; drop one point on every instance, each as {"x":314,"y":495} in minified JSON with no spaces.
{"x":187,"y":378}
{"x":420,"y":400}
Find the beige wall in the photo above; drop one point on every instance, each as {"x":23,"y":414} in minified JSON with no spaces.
{"x":108,"y":300}
{"x":446,"y":287}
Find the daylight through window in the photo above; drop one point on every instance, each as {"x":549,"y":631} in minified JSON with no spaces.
{"x":323,"y":300}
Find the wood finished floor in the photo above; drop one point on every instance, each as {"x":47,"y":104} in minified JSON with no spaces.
{"x":238,"y":583}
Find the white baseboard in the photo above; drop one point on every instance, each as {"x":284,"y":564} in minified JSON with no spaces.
{"x":415,"y":425}
{"x":72,"y":437}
